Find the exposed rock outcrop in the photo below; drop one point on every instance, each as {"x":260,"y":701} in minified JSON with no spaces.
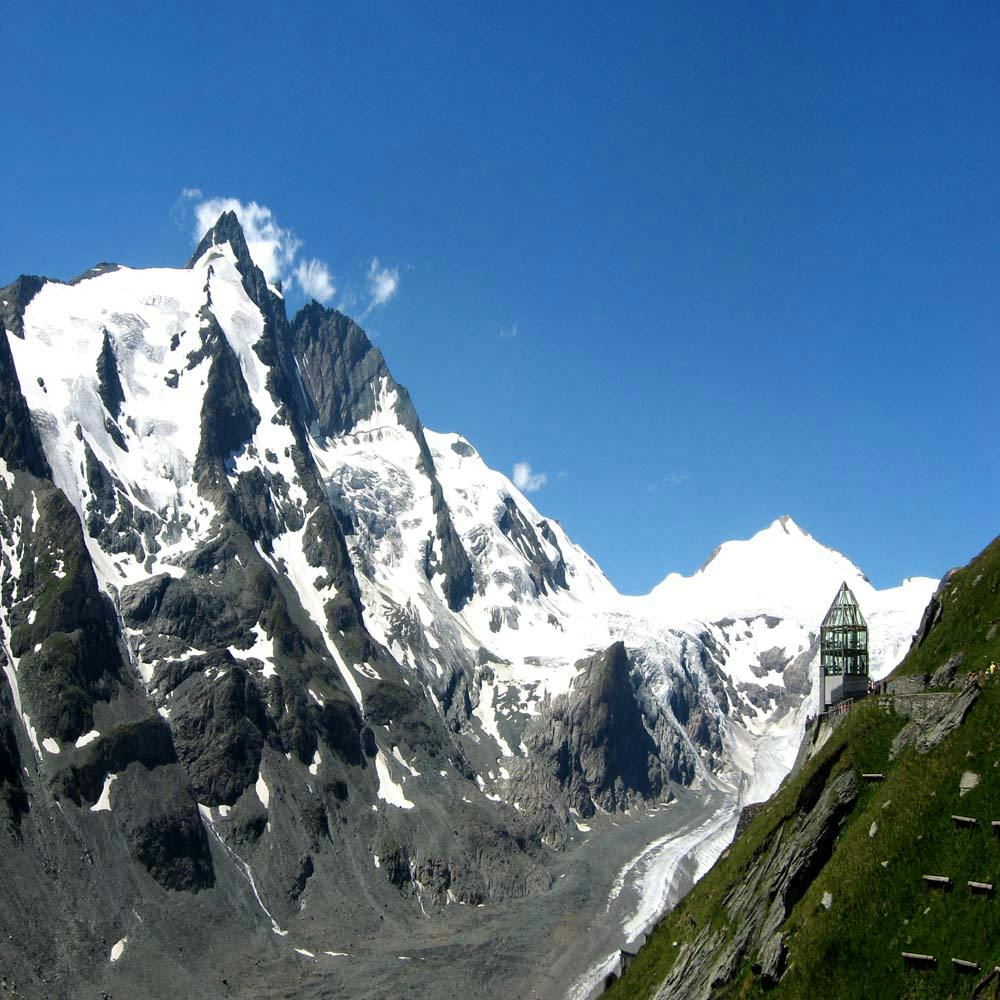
{"x":546,"y":571}
{"x":759,"y":904}
{"x":109,"y":383}
{"x":590,"y":749}
{"x":947,"y":675}
{"x":933,"y":717}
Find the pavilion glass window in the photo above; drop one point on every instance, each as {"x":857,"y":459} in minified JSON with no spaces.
{"x":843,"y":637}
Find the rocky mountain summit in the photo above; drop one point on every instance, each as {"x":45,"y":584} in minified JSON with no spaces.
{"x":283,"y":667}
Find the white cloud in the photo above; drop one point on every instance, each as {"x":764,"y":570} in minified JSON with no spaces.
{"x":275,"y":250}
{"x":383,"y":283}
{"x":272,"y":247}
{"x":526,"y":480}
{"x":508,"y":331}
{"x":315,"y":280}
{"x":670,"y":479}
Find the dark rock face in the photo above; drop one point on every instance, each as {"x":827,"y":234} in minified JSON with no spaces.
{"x":228,"y":417}
{"x":162,"y":827}
{"x":771,"y":659}
{"x":187,"y":609}
{"x":109,"y":383}
{"x":146,"y":742}
{"x":544,"y":570}
{"x":933,"y":717}
{"x":13,"y":791}
{"x":338,"y":367}
{"x":14,"y":300}
{"x":945,"y":675}
{"x":112,"y":518}
{"x":69,"y":648}
{"x":219,"y":728}
{"x":102,"y":267}
{"x":395,"y":703}
{"x":703,"y":729}
{"x":933,"y":612}
{"x":463,"y":448}
{"x":592,"y":745}
{"x":20,"y":446}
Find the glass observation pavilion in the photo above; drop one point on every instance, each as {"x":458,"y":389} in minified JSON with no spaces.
{"x":843,"y":645}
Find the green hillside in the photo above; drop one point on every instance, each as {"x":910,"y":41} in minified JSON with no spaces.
{"x":898,"y":830}
{"x":968,"y":619}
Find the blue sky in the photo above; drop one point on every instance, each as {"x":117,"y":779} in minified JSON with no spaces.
{"x":698,"y":264}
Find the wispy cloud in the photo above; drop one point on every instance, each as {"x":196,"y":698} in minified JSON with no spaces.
{"x":315,"y":280}
{"x":526,"y":480}
{"x":670,"y":479}
{"x":506,"y":332}
{"x":273,"y":247}
{"x":383,"y":283}
{"x":276,"y":251}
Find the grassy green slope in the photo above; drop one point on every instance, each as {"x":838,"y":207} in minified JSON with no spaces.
{"x":970,"y":618}
{"x":878,"y":910}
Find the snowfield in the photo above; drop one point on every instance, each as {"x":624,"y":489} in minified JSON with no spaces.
{"x":760,"y":601}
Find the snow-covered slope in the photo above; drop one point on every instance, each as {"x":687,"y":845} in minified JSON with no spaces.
{"x":783,"y":571}
{"x":146,"y":431}
{"x":726,"y":657}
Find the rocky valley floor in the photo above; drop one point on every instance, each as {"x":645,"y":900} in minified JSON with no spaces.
{"x":550,"y":946}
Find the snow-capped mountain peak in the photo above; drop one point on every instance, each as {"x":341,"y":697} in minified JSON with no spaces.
{"x":781,"y":569}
